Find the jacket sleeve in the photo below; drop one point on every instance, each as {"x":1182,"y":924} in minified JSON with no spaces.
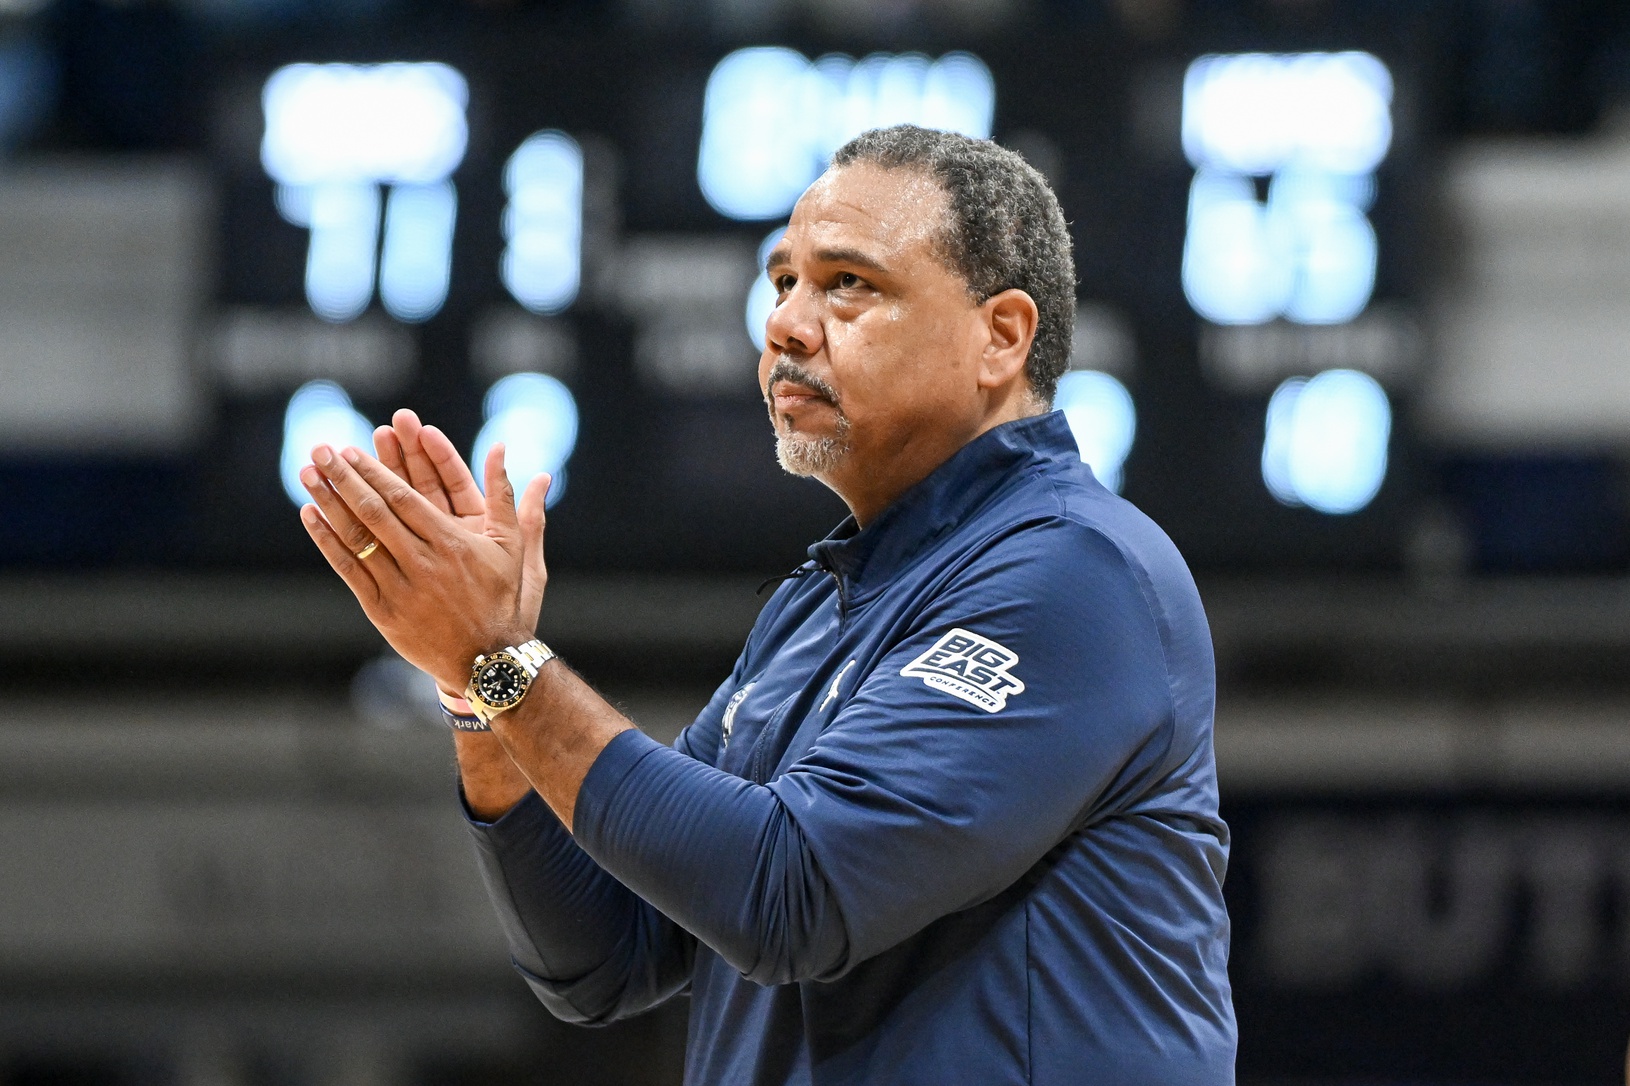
{"x":916,"y":801}
{"x":590,"y":948}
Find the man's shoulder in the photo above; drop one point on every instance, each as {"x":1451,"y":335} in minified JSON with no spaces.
{"x":1063,"y":517}
{"x":1061,"y":541}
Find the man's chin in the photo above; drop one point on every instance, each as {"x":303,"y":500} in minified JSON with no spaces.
{"x":804,"y":454}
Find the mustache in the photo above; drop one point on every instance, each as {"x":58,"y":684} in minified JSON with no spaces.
{"x":786,"y":369}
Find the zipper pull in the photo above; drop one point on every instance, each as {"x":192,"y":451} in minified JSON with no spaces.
{"x":801,"y":571}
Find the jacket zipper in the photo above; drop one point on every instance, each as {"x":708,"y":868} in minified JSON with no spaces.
{"x":756,"y":768}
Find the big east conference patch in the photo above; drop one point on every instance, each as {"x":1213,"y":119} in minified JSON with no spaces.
{"x":973,"y":668}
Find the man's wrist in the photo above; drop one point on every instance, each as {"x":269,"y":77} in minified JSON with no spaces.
{"x":499,"y":680}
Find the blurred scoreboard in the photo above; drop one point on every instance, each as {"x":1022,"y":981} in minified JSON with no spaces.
{"x":553,"y":240}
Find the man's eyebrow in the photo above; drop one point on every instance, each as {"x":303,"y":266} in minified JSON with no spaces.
{"x":855,"y":257}
{"x":849,"y":256}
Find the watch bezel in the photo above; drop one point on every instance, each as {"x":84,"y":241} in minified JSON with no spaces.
{"x":524,"y":680}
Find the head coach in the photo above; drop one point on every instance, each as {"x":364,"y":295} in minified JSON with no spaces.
{"x":953,"y":816}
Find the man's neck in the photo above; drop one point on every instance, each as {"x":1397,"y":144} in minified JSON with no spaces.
{"x":872,"y":480}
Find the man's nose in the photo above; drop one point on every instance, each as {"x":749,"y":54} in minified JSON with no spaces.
{"x":794,"y":326}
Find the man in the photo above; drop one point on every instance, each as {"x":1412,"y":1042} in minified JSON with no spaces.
{"x":953,"y":816}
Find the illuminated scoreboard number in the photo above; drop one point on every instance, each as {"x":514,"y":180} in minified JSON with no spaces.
{"x":336,"y":134}
{"x":1315,"y":126}
{"x":771,"y":117}
{"x":542,"y":265}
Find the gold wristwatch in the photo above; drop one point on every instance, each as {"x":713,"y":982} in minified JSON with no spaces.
{"x":499,"y":680}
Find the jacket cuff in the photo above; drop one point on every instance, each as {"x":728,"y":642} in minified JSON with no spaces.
{"x":513,"y":823}
{"x":605,"y":777}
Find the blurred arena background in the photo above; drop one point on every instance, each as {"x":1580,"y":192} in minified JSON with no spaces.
{"x":1354,"y":326}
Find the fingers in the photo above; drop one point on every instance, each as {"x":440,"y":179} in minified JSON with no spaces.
{"x":421,"y":471}
{"x":389,"y":451}
{"x":534,"y":574}
{"x":338,"y":520}
{"x":397,"y":515}
{"x":355,"y":573}
{"x":502,"y":524}
{"x":454,"y":473}
{"x":530,"y":513}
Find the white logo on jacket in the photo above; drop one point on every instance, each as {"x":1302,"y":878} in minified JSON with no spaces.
{"x":973,"y":668}
{"x":728,"y":724}
{"x":832,"y":693}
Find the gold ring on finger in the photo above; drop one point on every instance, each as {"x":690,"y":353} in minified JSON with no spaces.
{"x":366,"y":551}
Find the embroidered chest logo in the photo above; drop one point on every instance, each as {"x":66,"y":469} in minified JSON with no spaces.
{"x":836,"y":682}
{"x":728,"y":724}
{"x":973,"y":668}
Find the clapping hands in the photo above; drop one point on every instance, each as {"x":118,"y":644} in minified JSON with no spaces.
{"x":456,"y":573}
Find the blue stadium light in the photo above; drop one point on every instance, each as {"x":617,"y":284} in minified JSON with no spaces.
{"x":1334,"y":244}
{"x":535,"y":416}
{"x":416,"y":264}
{"x":1102,"y":418}
{"x":334,"y":134}
{"x":771,"y":118}
{"x":1256,"y":113}
{"x":761,"y":295}
{"x":1237,"y":260}
{"x":756,"y":155}
{"x":344,"y":224}
{"x":392,"y":124}
{"x":959,"y":95}
{"x":1277,"y":438}
{"x":319,"y":413}
{"x":542,"y":265}
{"x":1326,"y":442}
{"x":1318,"y":124}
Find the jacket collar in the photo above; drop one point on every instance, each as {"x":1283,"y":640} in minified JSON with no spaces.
{"x":869,"y":558}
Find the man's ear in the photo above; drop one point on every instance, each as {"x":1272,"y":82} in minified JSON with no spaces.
{"x":1011,"y":319}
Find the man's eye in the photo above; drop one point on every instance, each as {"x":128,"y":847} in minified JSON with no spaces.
{"x":849,"y":281}
{"x":783,"y":283}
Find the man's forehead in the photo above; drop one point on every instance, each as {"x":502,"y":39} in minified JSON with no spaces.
{"x":889,"y":212}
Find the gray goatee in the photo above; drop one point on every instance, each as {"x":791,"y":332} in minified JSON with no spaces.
{"x":802,"y":454}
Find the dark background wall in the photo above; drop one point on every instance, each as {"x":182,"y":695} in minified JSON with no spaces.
{"x":230,"y":847}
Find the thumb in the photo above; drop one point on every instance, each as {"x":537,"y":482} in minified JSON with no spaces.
{"x":534,"y":575}
{"x":502,"y":523}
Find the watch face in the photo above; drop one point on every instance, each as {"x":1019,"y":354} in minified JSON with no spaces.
{"x":500,"y":682}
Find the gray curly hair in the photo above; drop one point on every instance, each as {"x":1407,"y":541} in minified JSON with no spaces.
{"x":1006,"y":230}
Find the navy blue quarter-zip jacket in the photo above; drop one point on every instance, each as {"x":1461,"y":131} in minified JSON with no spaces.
{"x":951,"y":819}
